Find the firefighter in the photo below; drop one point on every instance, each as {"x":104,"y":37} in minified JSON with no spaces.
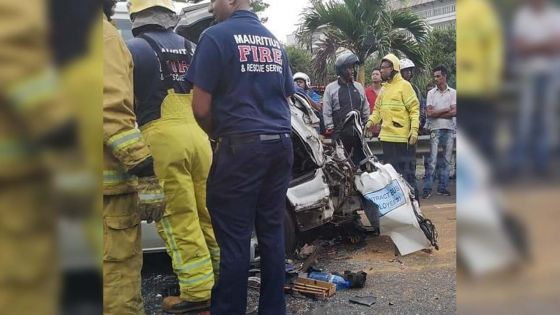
{"x":180,"y":149}
{"x":131,"y":192}
{"x":30,"y":118}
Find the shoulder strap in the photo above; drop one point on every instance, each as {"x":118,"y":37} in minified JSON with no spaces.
{"x":163,"y":65}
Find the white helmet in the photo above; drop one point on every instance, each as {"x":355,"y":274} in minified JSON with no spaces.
{"x":407,"y":63}
{"x":304,"y":77}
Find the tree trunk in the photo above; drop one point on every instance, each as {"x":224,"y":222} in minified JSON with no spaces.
{"x":362,"y":75}
{"x":362,"y":71}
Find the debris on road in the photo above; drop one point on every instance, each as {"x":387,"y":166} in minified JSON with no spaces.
{"x":254,"y":283}
{"x":306,"y":251}
{"x":364,"y":300}
{"x":314,"y":288}
{"x":311,"y":260}
{"x":338,"y":280}
{"x":357,"y":279}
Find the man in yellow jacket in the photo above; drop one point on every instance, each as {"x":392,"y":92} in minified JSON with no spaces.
{"x":480,"y":54}
{"x":398,"y":110}
{"x":131,"y":192}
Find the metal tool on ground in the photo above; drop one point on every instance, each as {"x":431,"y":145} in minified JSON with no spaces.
{"x":364,"y":300}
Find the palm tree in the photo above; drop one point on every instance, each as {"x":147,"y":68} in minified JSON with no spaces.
{"x":365,"y":27}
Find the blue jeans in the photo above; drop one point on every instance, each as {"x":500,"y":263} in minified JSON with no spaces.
{"x":446,"y":138}
{"x":535,"y":126}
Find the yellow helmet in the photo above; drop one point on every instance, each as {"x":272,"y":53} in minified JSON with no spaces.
{"x":394,"y":60}
{"x":135,"y":6}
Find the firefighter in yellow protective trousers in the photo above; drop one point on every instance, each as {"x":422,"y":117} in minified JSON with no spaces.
{"x":181,"y":150}
{"x":131,"y":192}
{"x":31,"y":120}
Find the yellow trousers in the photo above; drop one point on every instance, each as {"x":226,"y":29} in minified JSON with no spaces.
{"x":122,"y":256}
{"x":29,"y":279}
{"x":182,"y":157}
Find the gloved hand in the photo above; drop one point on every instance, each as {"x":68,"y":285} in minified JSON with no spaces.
{"x":151,"y":200}
{"x":413,"y":136}
{"x":368,"y":129}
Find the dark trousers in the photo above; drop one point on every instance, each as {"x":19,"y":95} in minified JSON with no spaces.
{"x":247,"y":189}
{"x":402,"y":156}
{"x":477,"y":119}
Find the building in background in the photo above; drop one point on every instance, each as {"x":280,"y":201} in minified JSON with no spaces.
{"x":439,"y":14}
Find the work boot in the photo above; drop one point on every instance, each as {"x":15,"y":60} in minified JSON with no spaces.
{"x":175,"y":305}
{"x":427,"y":194}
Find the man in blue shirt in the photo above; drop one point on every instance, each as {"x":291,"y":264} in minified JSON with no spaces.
{"x":241,"y":84}
{"x":303,"y":86}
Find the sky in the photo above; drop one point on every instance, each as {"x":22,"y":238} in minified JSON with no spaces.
{"x":283,"y":16}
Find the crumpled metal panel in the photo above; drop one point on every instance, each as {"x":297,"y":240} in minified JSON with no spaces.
{"x":303,"y":120}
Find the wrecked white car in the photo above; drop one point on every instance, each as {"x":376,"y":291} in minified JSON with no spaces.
{"x":327,"y":188}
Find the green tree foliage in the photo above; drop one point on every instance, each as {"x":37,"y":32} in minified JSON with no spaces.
{"x":365,"y":27}
{"x":440,"y":48}
{"x":300,"y":60}
{"x":259,"y":6}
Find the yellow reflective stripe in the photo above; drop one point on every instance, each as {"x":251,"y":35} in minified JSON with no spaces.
{"x":178,"y":261}
{"x":410,"y":99}
{"x":193,"y":265}
{"x":116,"y":177}
{"x":392,"y":138}
{"x":12,"y":149}
{"x":151,"y":198}
{"x":391,"y":104}
{"x":122,"y":140}
{"x":33,"y":90}
{"x":197,"y":280}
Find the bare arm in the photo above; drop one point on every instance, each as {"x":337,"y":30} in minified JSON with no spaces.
{"x":452,"y":112}
{"x":432,"y":113}
{"x":202,"y":104}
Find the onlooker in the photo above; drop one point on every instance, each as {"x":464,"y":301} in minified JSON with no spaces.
{"x":373,"y":90}
{"x":371,"y":94}
{"x":425,"y":130}
{"x":442,"y":107}
{"x":479,"y":73}
{"x":303,"y":86}
{"x":341,"y":97}
{"x":407,"y":72}
{"x":397,"y":109}
{"x":536,"y":33}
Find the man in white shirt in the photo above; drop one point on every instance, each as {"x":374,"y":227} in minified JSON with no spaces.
{"x":536,"y":38}
{"x":442,"y":107}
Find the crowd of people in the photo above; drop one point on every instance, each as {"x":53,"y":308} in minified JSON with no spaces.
{"x":395,"y":111}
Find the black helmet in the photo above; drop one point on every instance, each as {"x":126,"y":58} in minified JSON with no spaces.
{"x":345,"y":60}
